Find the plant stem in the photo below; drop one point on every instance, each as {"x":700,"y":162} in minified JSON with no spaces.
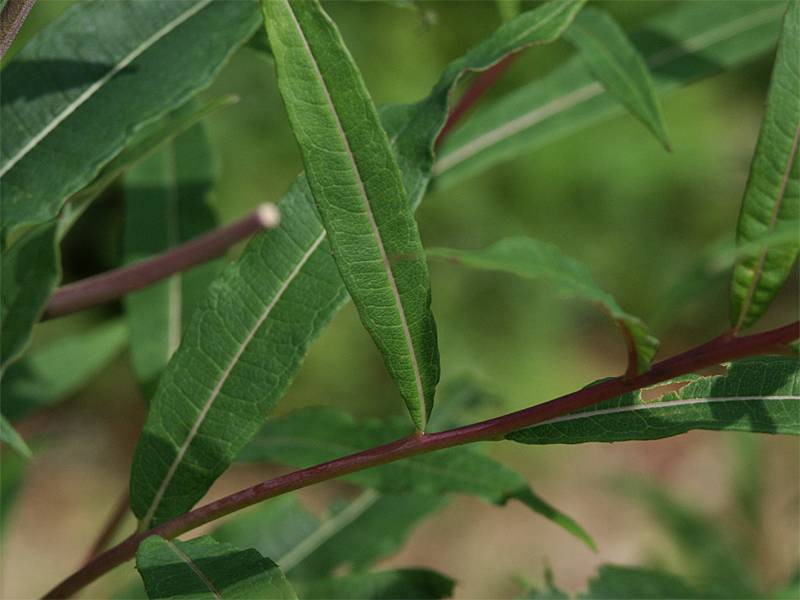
{"x":115,"y":284}
{"x":479,"y":87}
{"x":718,"y":350}
{"x":14,"y":14}
{"x":111,"y":527}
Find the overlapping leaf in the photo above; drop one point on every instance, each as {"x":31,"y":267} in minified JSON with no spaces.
{"x":421,"y":584}
{"x":315,"y":435}
{"x":203,"y":568}
{"x":248,"y":338}
{"x":614,"y":61}
{"x":60,"y":368}
{"x":166,"y":204}
{"x":772,"y":195}
{"x":696,"y":40}
{"x":760,"y":395}
{"x":10,"y":436}
{"x":358,"y":190}
{"x":533,"y":259}
{"x":83,"y":97}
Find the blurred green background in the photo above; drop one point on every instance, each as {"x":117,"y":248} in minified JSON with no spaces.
{"x":609,"y":196}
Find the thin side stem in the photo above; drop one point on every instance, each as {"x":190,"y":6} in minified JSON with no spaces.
{"x":475,"y":92}
{"x":14,"y":14}
{"x":718,"y":350}
{"x":112,"y":525}
{"x":115,"y":284}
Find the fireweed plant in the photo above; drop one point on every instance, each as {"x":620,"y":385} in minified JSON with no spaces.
{"x":108,"y":92}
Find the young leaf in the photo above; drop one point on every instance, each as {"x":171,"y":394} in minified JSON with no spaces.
{"x":693,"y":41}
{"x":203,"y":568}
{"x":9,"y":435}
{"x":355,"y":534}
{"x":421,"y":584}
{"x":533,"y":259}
{"x":314,"y":435}
{"x":759,"y":395}
{"x":617,"y":64}
{"x":30,"y":271}
{"x":228,"y":374}
{"x":47,"y":375}
{"x":772,"y":195}
{"x":83,"y":98}
{"x":166,"y":204}
{"x":359,"y":193}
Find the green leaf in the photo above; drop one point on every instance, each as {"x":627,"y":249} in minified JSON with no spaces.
{"x":533,"y":259}
{"x":82,"y":98}
{"x":248,"y":338}
{"x":772,"y":195}
{"x":636,"y":583}
{"x":13,"y":470}
{"x":147,"y":140}
{"x":359,"y":193}
{"x":319,"y":434}
{"x":9,"y":436}
{"x":421,"y":584}
{"x":694,"y":41}
{"x":464,"y":400}
{"x":508,"y":9}
{"x":60,"y":368}
{"x":354,"y":533}
{"x":617,"y":64}
{"x":759,"y":395}
{"x":30,"y":271}
{"x":166,"y":204}
{"x":203,"y":568}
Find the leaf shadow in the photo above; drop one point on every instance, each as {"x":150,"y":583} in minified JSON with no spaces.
{"x":670,"y":59}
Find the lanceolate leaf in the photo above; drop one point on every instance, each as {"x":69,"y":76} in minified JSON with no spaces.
{"x":772,"y":195}
{"x":537,"y":260}
{"x":9,"y":435}
{"x":166,"y":204}
{"x":228,"y":374}
{"x":617,"y":64}
{"x":696,"y":40}
{"x":760,"y":395}
{"x":315,"y":435}
{"x":60,"y":368}
{"x":29,"y":271}
{"x":354,"y":534}
{"x":203,"y":568}
{"x":83,"y":97}
{"x":421,"y":584}
{"x":359,"y":192}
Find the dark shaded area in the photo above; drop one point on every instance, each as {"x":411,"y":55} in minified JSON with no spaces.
{"x":29,"y":79}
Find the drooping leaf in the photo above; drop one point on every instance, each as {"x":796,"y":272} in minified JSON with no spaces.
{"x":147,"y":140}
{"x":10,"y":437}
{"x":772,"y":195}
{"x":30,"y":271}
{"x":82,"y":98}
{"x":355,"y":533}
{"x":166,"y":204}
{"x":228,"y":374}
{"x":759,"y":395}
{"x":60,"y":368}
{"x":421,"y":584}
{"x":533,"y":259}
{"x":315,"y":435}
{"x":358,"y":190}
{"x":203,"y":568}
{"x":617,"y":64}
{"x":694,"y":41}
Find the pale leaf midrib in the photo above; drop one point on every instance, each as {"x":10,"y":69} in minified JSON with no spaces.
{"x":92,"y":89}
{"x":195,"y":569}
{"x":660,"y":405}
{"x":223,"y":378}
{"x":368,"y":210}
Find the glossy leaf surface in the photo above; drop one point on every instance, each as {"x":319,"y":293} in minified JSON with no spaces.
{"x":533,"y":259}
{"x":759,"y":395}
{"x":203,"y":568}
{"x":617,"y":64}
{"x":772,"y":195}
{"x":166,"y":204}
